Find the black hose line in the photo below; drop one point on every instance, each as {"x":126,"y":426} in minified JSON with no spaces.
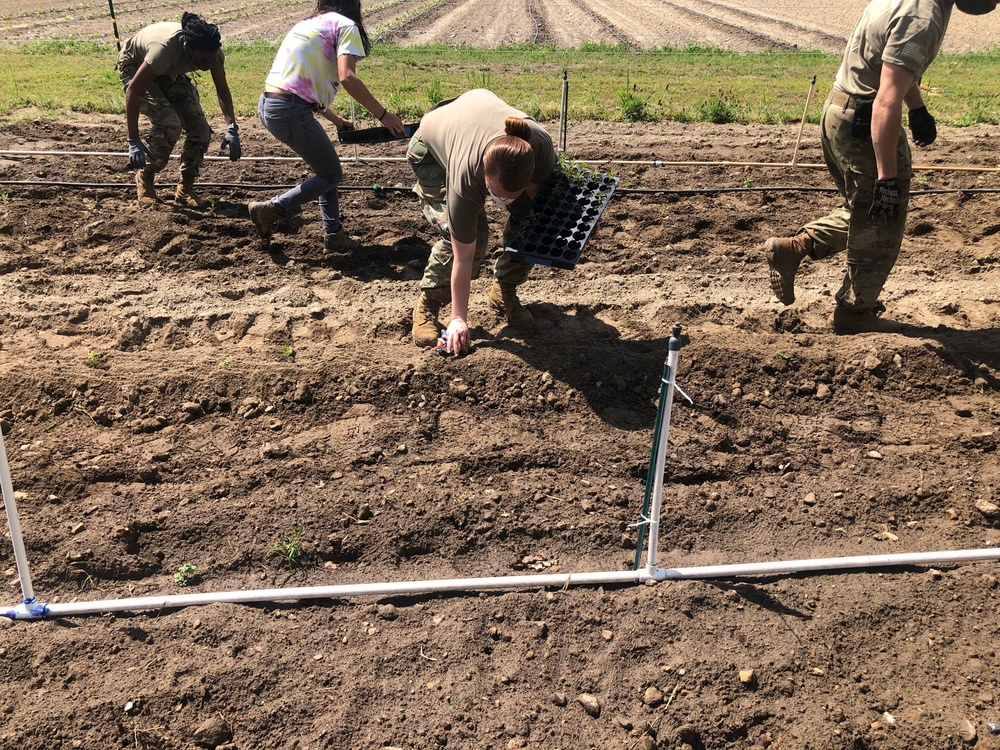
{"x":400,"y":189}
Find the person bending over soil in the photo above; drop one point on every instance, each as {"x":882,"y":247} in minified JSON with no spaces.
{"x":315,"y":58}
{"x":153,"y":67}
{"x":466,"y":151}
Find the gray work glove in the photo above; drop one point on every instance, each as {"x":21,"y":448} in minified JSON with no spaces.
{"x":922,"y":126}
{"x":885,"y":200}
{"x":137,"y":153}
{"x":232,"y":140}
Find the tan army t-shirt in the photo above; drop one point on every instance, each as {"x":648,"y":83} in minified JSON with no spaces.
{"x":159,"y":45}
{"x":902,"y":32}
{"x":457,"y":135}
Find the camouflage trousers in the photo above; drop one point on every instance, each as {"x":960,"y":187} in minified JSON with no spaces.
{"x":172,"y":104}
{"x":872,"y":245}
{"x":430,"y":188}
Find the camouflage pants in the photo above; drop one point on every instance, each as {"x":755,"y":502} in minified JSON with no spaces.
{"x":430,"y":188}
{"x":872,"y":244}
{"x":172,"y":104}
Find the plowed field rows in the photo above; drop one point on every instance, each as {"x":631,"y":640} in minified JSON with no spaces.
{"x":742,"y":25}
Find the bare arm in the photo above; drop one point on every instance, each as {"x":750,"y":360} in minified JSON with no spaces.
{"x":913,"y":98}
{"x":461,"y":281}
{"x":336,"y":119}
{"x":223,"y":92}
{"x":346,"y":69}
{"x":136,"y":89}
{"x":895,"y":85}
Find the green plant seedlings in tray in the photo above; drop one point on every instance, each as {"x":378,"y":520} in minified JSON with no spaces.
{"x":563,"y":216}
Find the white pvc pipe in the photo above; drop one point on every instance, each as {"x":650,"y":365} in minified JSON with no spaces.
{"x":829,"y":563}
{"x":652,"y":547}
{"x":561,"y":580}
{"x":16,"y":538}
{"x":399,"y":588}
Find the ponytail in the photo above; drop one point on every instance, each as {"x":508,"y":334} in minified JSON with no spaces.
{"x":349,"y":9}
{"x":509,"y":159}
{"x":200,"y":35}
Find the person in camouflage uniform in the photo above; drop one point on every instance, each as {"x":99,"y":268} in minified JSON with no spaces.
{"x":153,"y":67}
{"x":468,"y":151}
{"x":867,"y":154}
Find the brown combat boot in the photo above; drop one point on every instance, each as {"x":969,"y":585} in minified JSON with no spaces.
{"x":503,"y":299}
{"x":784,"y":254}
{"x":185,"y":195}
{"x":426,"y":326}
{"x":846,"y":323}
{"x":144,"y":187}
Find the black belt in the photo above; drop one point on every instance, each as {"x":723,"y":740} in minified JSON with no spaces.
{"x":287,"y":96}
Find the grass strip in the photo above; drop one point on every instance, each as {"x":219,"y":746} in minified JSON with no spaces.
{"x":605,"y":82}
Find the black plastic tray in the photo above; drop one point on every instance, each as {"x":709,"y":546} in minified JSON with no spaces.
{"x":563,"y":216}
{"x":375,"y":135}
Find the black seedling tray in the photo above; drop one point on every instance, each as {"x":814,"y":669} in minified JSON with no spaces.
{"x":563,"y":216}
{"x":375,"y":135}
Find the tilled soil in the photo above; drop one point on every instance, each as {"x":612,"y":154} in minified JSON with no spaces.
{"x":172,"y":395}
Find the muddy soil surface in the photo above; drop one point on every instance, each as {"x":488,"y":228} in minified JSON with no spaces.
{"x":743,"y":25}
{"x":174,"y":397}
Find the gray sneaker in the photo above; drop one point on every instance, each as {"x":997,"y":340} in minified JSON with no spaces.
{"x":340,"y":242}
{"x":264,"y":215}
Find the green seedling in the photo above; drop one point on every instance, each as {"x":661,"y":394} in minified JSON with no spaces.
{"x":433,"y":91}
{"x":185,"y":574}
{"x":289,"y":353}
{"x":94,"y":359}
{"x":289,"y":549}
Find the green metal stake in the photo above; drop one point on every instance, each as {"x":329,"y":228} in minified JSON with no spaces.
{"x":659,"y":433}
{"x":660,"y":409}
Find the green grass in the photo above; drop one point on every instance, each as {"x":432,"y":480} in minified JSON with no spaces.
{"x":605,"y":82}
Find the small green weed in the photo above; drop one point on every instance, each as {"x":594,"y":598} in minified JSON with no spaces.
{"x":982,"y":110}
{"x":634,"y":107}
{"x":94,"y":359}
{"x":480,"y":79}
{"x":289,"y":549}
{"x":289,"y":353}
{"x":433,"y":92}
{"x":720,"y":109}
{"x":185,"y":574}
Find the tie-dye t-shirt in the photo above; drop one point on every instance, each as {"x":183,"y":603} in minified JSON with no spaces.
{"x":306,"y":63}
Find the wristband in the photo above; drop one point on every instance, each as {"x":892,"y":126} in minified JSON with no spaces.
{"x":384,"y":111}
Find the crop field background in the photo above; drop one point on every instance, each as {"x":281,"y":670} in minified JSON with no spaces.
{"x":740,"y":25}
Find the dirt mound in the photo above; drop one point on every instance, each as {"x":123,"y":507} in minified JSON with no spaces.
{"x":173,"y":396}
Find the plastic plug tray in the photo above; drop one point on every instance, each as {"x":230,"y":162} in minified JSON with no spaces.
{"x":375,"y":135}
{"x":562,"y":218}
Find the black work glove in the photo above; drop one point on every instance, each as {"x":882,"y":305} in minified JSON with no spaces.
{"x":885,"y":200}
{"x":922,"y":126}
{"x":137,"y":153}
{"x":232,"y":140}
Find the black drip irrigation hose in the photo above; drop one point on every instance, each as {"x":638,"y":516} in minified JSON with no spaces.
{"x":400,"y":189}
